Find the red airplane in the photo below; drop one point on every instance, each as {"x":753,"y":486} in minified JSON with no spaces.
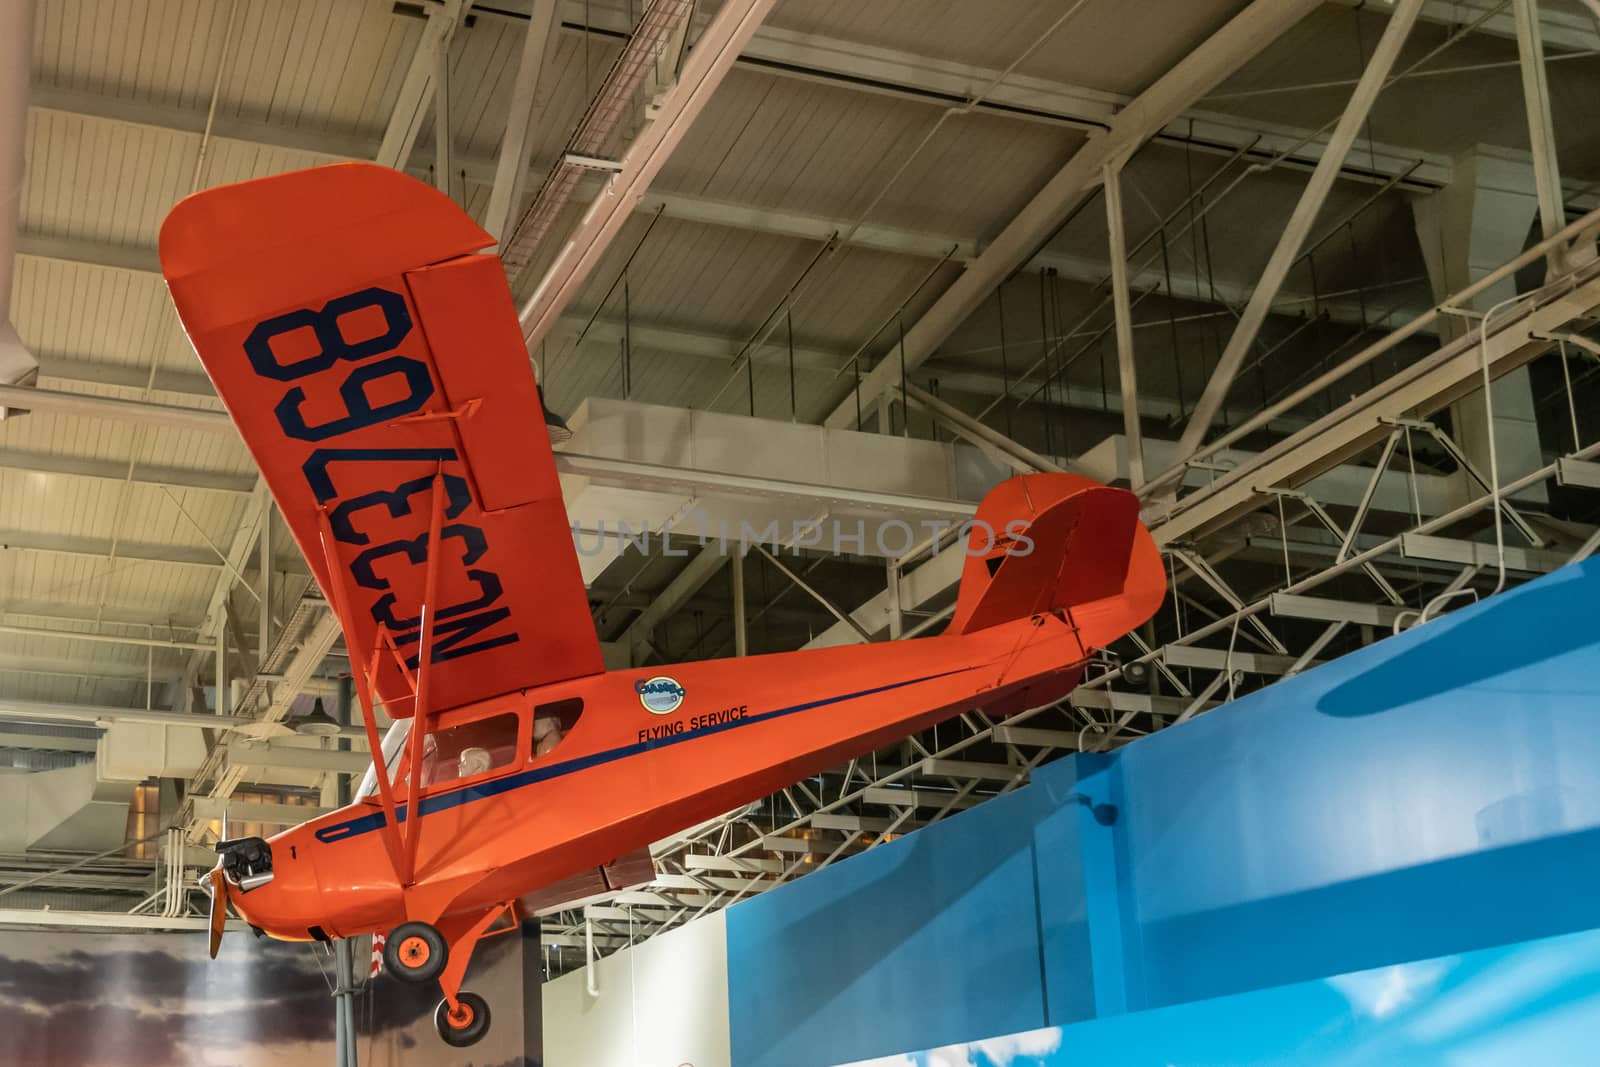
{"x":372,"y":360}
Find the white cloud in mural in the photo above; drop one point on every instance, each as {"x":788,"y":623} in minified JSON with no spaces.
{"x":1003,"y":1051}
{"x":1379,"y":994}
{"x":1012,"y":1050}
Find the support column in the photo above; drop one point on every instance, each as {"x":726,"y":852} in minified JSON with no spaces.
{"x":344,"y":1014}
{"x":741,"y":632}
{"x":1467,"y":229}
{"x":1541,"y":127}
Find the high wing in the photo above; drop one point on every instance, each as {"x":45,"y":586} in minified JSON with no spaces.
{"x":374,"y":364}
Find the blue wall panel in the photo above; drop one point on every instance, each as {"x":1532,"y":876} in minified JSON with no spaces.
{"x":936,"y":934}
{"x":1435,"y":793}
{"x":1438,"y":791}
{"x":1080,"y":926}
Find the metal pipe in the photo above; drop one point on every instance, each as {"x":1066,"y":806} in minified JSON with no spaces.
{"x":16,"y":59}
{"x":109,"y":639}
{"x":110,"y":407}
{"x":971,"y":428}
{"x":47,"y":875}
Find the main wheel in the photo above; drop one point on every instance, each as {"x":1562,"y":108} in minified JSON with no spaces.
{"x":415,"y":952}
{"x":464,"y":1026}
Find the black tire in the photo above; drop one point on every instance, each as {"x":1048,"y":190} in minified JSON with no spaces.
{"x":462,"y":1032}
{"x":415,"y":952}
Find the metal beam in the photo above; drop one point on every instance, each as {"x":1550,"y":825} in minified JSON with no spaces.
{"x":1322,"y":609}
{"x":1563,"y":29}
{"x":118,"y":470}
{"x":102,"y":714}
{"x":100,"y":638}
{"x":985,"y":437}
{"x":102,"y":547}
{"x":960,"y":768}
{"x":895,"y":797}
{"x":102,"y":920}
{"x":688,"y":582}
{"x":207,"y":809}
{"x":1471,"y":553}
{"x":511,"y":165}
{"x":1216,"y":659}
{"x":270,"y":755}
{"x":1298,"y":229}
{"x":217,"y":776}
{"x":1541,"y":127}
{"x":106,"y":407}
{"x":693,"y":482}
{"x":1417,"y":390}
{"x":853,"y":65}
{"x":1197,"y":74}
{"x":416,"y":90}
{"x":708,"y":62}
{"x":1142,"y":703}
{"x":1577,"y":473}
{"x":49,"y":742}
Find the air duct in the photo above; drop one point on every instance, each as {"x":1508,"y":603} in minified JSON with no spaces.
{"x":17,"y":365}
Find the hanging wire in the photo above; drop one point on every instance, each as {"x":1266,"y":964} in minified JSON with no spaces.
{"x":1172,"y":322}
{"x":627,"y":338}
{"x":1045,"y":339}
{"x":794,"y":398}
{"x":1005,"y":365}
{"x":572,"y":346}
{"x":905,"y":409}
{"x":1572,"y":407}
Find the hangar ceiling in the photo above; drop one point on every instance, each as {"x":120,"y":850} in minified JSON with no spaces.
{"x":915,"y":187}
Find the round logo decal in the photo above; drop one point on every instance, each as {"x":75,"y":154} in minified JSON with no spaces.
{"x":660,"y":695}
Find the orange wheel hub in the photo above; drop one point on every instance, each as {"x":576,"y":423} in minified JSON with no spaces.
{"x":461,"y":1015}
{"x":414,"y":951}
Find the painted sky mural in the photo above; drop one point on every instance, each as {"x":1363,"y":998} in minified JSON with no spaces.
{"x":154,"y":1000}
{"x":1537,"y":1002}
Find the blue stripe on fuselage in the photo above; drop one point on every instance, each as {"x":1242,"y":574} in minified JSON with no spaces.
{"x":444,"y":801}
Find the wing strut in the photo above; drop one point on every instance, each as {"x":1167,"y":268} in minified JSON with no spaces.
{"x":400,"y":846}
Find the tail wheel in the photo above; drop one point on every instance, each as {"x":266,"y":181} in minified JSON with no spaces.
{"x":415,"y":952}
{"x":466,"y":1024}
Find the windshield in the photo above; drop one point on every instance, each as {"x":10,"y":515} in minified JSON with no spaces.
{"x":394,"y":743}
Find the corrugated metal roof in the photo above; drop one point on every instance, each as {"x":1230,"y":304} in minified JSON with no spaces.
{"x":299,"y":72}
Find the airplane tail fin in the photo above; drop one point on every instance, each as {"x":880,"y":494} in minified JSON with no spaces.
{"x":1045,"y":543}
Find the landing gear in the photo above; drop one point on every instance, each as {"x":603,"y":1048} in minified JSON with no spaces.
{"x":420,"y":952}
{"x":466,"y":1023}
{"x":416,"y":952}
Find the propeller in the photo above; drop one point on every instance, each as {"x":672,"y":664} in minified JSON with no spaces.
{"x":219,"y":907}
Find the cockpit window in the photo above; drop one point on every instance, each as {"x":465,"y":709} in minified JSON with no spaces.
{"x":469,"y":749}
{"x":552,"y":722}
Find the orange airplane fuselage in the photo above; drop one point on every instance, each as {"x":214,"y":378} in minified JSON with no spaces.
{"x":624,"y":776}
{"x":372,"y":360}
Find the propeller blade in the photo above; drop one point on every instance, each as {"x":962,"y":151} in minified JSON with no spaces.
{"x":219,"y":908}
